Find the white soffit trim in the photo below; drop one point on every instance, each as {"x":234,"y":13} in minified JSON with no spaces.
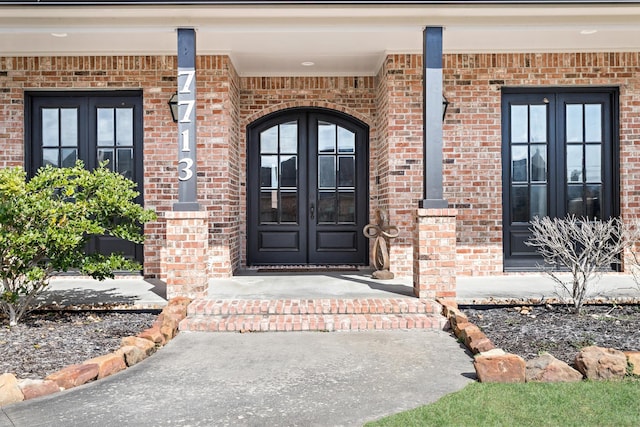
{"x":347,"y":40}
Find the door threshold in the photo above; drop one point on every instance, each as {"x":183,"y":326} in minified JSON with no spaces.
{"x":303,"y":268}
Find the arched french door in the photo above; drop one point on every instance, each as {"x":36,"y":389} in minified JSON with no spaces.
{"x":307,"y":188}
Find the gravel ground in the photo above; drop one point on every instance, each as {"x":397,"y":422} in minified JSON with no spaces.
{"x":528,"y":331}
{"x":46,"y":342}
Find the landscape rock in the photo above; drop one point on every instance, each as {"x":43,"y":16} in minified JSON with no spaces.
{"x":108,"y":364}
{"x":179,"y":301}
{"x":497,"y":366}
{"x":9,"y":390}
{"x":633,"y":357}
{"x":547,"y":368}
{"x":132,"y":354}
{"x":455,"y":316}
{"x":177,"y":312}
{"x":153,"y":334}
{"x":146,"y":345}
{"x":169,"y":326}
{"x":37,"y":388}
{"x":598,"y":363}
{"x":480,"y":343}
{"x":74,"y":375}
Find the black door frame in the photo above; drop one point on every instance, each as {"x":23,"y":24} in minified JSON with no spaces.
{"x":307,"y":118}
{"x":87,"y":148}
{"x":556,"y":125}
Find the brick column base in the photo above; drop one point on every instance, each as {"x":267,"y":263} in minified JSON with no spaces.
{"x":185,"y":261}
{"x":434,"y":254}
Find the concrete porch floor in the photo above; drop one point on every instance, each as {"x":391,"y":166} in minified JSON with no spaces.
{"x":140,"y":293}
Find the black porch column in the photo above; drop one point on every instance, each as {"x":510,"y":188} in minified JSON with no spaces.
{"x":432,"y":119}
{"x":187,"y":159}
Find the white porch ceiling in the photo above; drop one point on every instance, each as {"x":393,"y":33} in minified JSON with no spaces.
{"x":348,"y":40}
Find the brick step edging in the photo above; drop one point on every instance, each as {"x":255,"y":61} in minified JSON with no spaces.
{"x":312,"y":322}
{"x":224,"y":307}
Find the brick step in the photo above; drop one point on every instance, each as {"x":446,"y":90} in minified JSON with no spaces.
{"x":246,"y":315}
{"x":223,"y":307}
{"x":311,"y":322}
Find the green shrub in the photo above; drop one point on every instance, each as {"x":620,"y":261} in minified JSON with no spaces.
{"x":46,"y":222}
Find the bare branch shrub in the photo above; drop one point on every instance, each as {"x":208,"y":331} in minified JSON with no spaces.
{"x":584,"y":247}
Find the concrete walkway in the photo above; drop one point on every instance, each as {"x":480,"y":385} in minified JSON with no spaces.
{"x":263,"y":379}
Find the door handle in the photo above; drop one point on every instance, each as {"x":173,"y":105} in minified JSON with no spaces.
{"x":312,"y":210}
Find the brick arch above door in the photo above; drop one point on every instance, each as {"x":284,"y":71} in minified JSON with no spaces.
{"x":368,"y":120}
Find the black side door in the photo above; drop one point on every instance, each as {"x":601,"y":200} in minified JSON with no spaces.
{"x":92,"y":127}
{"x":559,"y":155}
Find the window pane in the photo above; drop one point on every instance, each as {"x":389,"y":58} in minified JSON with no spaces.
{"x":326,"y":172}
{"x":519,"y":163}
{"x":50,"y":157}
{"x":346,"y":171}
{"x":538,"y":163}
{"x":289,"y":171}
{"x":269,"y":140}
{"x":593,"y":163}
{"x":538,"y":126}
{"x":269,"y":206}
{"x":346,"y":141}
{"x":574,"y":163}
{"x":574,"y":123}
{"x":124,"y":126}
{"x":69,"y":124}
{"x":269,"y":171}
{"x":538,"y":203}
{"x":520,"y":204}
{"x":347,"y":207}
{"x":69,"y":157}
{"x":593,"y":201}
{"x":327,"y":207}
{"x":519,"y":123}
{"x":326,"y":137}
{"x":574,"y":200}
{"x":50,"y":129}
{"x":106,"y":154}
{"x":289,"y":138}
{"x":125,"y":162}
{"x":593,"y":122}
{"x":289,"y":207}
{"x":105,"y":126}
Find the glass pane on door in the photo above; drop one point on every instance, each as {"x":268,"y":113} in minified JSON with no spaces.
{"x":279,"y":174}
{"x":59,"y":133}
{"x":529,"y":154}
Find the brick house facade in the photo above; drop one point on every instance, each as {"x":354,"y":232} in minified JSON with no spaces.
{"x":469,"y":235}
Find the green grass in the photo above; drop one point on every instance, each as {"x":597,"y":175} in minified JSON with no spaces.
{"x":587,"y":403}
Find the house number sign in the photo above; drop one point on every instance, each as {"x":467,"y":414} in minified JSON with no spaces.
{"x":187,"y":160}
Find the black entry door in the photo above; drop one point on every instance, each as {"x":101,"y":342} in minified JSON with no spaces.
{"x":92,"y":127}
{"x":559,"y":158}
{"x":307,"y":189}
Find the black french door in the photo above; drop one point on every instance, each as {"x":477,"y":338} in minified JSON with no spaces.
{"x":93,"y":127}
{"x":307,"y":189}
{"x":560,"y":157}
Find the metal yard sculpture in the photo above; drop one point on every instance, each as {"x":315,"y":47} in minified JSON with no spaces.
{"x":382,"y":232}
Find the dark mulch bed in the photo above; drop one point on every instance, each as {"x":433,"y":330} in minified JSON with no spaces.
{"x":527,"y":331}
{"x":46,"y":342}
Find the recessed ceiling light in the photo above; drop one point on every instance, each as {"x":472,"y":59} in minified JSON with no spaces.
{"x":587,"y":32}
{"x":60,"y":35}
{"x":308,"y":64}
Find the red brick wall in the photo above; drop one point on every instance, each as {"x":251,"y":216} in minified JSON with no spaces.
{"x":217,"y":91}
{"x":260,"y":96}
{"x":399,"y":160}
{"x":389,"y":102}
{"x":472,"y":136}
